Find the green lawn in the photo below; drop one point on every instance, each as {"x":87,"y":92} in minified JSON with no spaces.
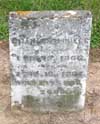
{"x":13,"y":5}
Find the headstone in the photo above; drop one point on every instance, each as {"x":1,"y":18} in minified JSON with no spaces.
{"x":49,"y":53}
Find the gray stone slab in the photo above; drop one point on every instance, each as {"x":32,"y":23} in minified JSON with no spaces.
{"x":49,"y":53}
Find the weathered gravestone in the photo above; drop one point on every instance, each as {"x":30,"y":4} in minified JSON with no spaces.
{"x":49,"y":59}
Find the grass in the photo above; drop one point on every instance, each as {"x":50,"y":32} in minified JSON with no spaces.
{"x":14,"y":5}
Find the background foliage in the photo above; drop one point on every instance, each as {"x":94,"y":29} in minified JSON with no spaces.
{"x":14,"y":5}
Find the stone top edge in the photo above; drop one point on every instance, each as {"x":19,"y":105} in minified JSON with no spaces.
{"x":56,"y":13}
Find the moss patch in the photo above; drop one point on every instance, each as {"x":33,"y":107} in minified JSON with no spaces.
{"x":68,"y":100}
{"x":30,"y":101}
